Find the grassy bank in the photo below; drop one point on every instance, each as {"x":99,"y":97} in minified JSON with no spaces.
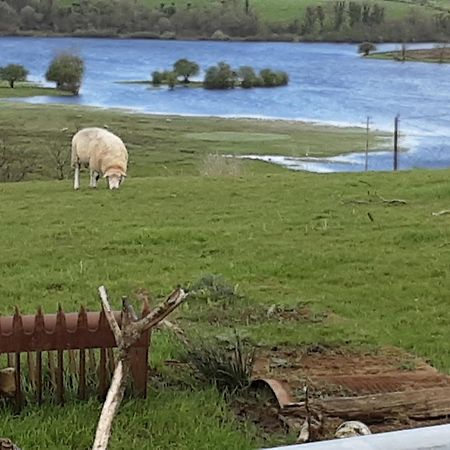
{"x":168,"y":146}
{"x":22,"y":89}
{"x":285,"y":238}
{"x":432,"y":55}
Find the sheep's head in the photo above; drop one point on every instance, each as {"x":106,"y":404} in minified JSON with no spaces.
{"x":115,"y":177}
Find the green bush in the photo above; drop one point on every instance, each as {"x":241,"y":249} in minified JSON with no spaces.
{"x":221,"y":76}
{"x":66,"y":70}
{"x":248,"y":77}
{"x":271,"y":78}
{"x":171,"y":78}
{"x":213,"y":288}
{"x":157,"y":78}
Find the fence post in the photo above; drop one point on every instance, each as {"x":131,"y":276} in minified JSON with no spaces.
{"x":366,"y":165}
{"x":396,"y":142}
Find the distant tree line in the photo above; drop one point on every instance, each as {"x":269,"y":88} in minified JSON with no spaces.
{"x":340,"y":20}
{"x":220,"y":76}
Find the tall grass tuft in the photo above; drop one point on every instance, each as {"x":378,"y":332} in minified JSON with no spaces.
{"x":227,"y":367}
{"x":215,"y":165}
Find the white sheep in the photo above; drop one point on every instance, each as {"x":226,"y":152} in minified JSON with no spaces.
{"x":103,"y":152}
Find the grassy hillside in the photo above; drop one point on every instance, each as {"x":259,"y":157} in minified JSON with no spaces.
{"x":282,"y":237}
{"x":287,"y":10}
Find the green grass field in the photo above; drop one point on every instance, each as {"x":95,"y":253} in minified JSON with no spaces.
{"x":283,"y":237}
{"x":171,"y":146}
{"x":23,"y":89}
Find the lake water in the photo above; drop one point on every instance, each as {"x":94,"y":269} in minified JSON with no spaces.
{"x":329,"y":83}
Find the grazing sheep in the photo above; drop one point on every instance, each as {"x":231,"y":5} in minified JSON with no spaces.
{"x":103,"y":152}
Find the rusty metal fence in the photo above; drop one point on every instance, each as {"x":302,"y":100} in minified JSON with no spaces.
{"x":31,"y":342}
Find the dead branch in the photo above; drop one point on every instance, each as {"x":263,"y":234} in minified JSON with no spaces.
{"x":111,"y":405}
{"x":130,"y":332}
{"x":441,"y":213}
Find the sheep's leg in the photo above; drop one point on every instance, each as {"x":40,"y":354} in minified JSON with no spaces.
{"x":94,"y":178}
{"x":76,"y":181}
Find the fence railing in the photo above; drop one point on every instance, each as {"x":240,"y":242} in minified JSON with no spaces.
{"x":74,"y":334}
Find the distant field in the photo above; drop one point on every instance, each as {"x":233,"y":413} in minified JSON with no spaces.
{"x":287,"y":10}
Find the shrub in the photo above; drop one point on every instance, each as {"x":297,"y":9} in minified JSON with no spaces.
{"x":66,"y":70}
{"x":220,"y":77}
{"x":272,"y":78}
{"x":171,"y":78}
{"x":228,"y":367}
{"x":219,"y":35}
{"x":157,"y":78}
{"x":213,"y":288}
{"x":248,"y":77}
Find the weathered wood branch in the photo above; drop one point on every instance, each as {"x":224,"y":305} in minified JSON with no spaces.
{"x":111,"y":405}
{"x":419,"y":405}
{"x":393,"y":201}
{"x":130,"y":332}
{"x":110,"y":315}
{"x":441,"y":213}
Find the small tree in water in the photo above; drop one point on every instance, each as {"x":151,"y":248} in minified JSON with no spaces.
{"x":185,"y":68}
{"x":66,"y":70}
{"x":12,"y":73}
{"x":366,"y":48}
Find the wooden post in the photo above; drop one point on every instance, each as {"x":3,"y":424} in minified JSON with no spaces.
{"x":396,"y":142}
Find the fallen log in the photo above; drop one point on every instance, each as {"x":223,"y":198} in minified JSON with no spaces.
{"x":418,"y":405}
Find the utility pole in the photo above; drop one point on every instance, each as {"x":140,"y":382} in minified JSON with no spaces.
{"x":396,"y":142}
{"x":366,"y":165}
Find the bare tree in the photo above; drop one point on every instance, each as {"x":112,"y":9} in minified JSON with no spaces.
{"x":59,"y":157}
